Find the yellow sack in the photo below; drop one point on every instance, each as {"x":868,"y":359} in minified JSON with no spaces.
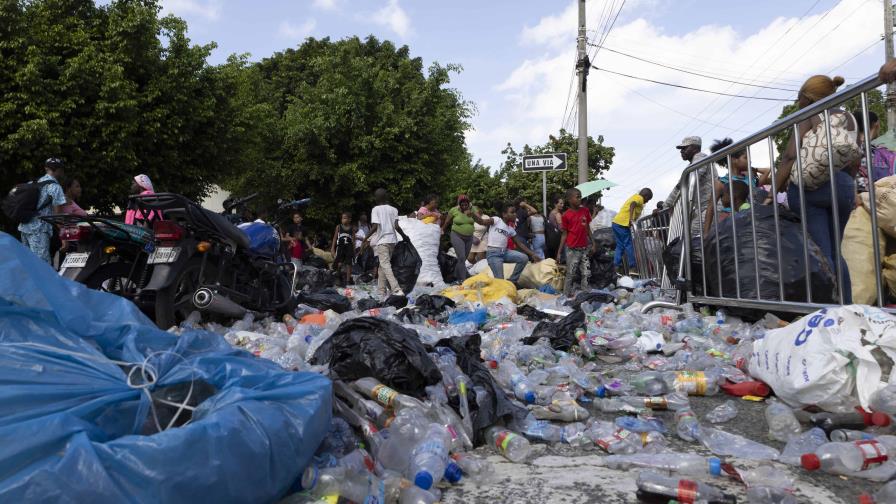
{"x":481,"y":288}
{"x":889,"y":273}
{"x":885,"y":203}
{"x":325,"y":255}
{"x":858,"y":251}
{"x":546,"y":272}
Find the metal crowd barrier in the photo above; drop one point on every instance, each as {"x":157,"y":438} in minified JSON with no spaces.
{"x":649,"y":236}
{"x":711,"y":285}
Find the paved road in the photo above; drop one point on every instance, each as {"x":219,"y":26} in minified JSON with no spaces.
{"x":561,"y":474}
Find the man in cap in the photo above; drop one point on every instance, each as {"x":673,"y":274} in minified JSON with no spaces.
{"x":690,"y":150}
{"x":36,"y":233}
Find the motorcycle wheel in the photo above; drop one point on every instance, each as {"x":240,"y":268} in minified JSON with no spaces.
{"x":175,"y":302}
{"x":113,"y":278}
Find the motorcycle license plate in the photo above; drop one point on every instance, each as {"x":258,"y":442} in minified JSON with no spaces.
{"x":163,"y":255}
{"x":75,"y":260}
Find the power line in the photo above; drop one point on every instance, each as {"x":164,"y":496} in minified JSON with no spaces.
{"x":767,"y":98}
{"x":693,"y":73}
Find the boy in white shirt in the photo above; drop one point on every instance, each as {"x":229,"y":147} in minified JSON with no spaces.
{"x":498,"y":234}
{"x":384,"y":222}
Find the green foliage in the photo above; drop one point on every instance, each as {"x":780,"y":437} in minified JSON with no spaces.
{"x":350,"y":116}
{"x":115,"y":91}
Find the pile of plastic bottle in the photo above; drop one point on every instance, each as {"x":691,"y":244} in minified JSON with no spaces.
{"x":624,"y":388}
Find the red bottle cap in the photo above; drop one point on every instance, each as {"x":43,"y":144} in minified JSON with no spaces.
{"x":866,"y":417}
{"x":493,"y":364}
{"x":810,"y":462}
{"x":866,"y":499}
{"x":880,"y":419}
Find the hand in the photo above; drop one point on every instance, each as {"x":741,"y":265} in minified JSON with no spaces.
{"x":468,"y":212}
{"x":534,"y":258}
{"x":887,"y":72}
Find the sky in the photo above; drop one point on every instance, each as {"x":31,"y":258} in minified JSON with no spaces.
{"x":518,"y":63}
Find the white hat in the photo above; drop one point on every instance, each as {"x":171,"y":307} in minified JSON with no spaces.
{"x":691,"y":140}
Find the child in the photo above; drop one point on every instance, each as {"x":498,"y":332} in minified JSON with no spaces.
{"x":384,"y":220}
{"x":741,"y":192}
{"x":497,"y":252}
{"x":343,"y":247}
{"x":536,"y":233}
{"x":576,"y":238}
{"x":429,"y":212}
{"x":622,"y":227}
{"x":294,"y":239}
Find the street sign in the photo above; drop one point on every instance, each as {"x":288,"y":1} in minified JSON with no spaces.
{"x":554,"y":161}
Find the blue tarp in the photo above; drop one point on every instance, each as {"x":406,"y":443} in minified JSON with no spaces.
{"x":70,"y":423}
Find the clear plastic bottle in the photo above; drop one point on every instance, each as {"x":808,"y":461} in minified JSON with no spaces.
{"x":722,"y":413}
{"x":782,"y":423}
{"x":385,"y":312}
{"x":726,"y":444}
{"x":806,"y":442}
{"x":769,"y":485}
{"x":417,"y":495}
{"x":844,"y":435}
{"x":584,"y":343}
{"x":475,"y":469}
{"x":352,"y":485}
{"x":884,"y":495}
{"x":884,"y":400}
{"x":684,"y":464}
{"x":541,"y":430}
{"x":649,"y":383}
{"x":429,"y":459}
{"x":626,"y":442}
{"x":564,"y":409}
{"x":385,"y":395}
{"x":655,"y":485}
{"x":854,"y":456}
{"x":640,"y":424}
{"x":699,"y":383}
{"x":674,"y":401}
{"x":686,"y":424}
{"x":511,"y":445}
{"x":511,"y":378}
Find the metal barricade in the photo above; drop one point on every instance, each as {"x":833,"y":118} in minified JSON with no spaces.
{"x":649,"y":236}
{"x":726,"y":263}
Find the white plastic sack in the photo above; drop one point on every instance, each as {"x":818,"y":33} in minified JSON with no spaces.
{"x":425,"y":238}
{"x":825,"y":358}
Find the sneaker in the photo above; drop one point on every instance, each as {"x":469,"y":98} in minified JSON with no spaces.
{"x":399,"y":292}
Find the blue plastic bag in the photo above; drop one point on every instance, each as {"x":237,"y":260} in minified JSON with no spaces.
{"x":69,"y":420}
{"x":478,"y":317}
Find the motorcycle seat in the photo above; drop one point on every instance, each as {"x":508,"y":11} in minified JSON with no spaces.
{"x":226,"y":228}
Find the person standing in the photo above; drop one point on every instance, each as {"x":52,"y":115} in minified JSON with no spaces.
{"x":462,"y":225}
{"x":383,"y":236}
{"x":36,"y":233}
{"x":72,"y":188}
{"x":536,"y":231}
{"x":576,"y":239}
{"x":343,"y":249}
{"x":622,"y":227}
{"x":690,"y":150}
{"x":480,"y":240}
{"x":294,"y":238}
{"x":556,"y":215}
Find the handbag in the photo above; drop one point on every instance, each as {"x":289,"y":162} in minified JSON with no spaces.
{"x":814,"y":151}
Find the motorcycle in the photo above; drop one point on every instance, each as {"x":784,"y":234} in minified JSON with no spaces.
{"x":103,"y":253}
{"x":202,"y":261}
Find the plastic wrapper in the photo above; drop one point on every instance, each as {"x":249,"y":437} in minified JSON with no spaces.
{"x":433,"y":305}
{"x":326,"y":299}
{"x":561,"y":334}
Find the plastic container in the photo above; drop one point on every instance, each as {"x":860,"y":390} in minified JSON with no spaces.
{"x":584,"y":343}
{"x":516,"y":381}
{"x":511,"y":445}
{"x":722,"y":413}
{"x":854,"y":456}
{"x":674,"y":401}
{"x":340,"y":481}
{"x":683,"y":490}
{"x":686,"y":424}
{"x":782,"y":423}
{"x":684,"y":464}
{"x":384,"y":395}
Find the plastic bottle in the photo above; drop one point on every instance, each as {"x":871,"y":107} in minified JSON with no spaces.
{"x":429,"y":459}
{"x":617,"y":404}
{"x":339,"y":481}
{"x":649,"y":383}
{"x":884,"y":400}
{"x":769,"y":485}
{"x":384,"y":312}
{"x":511,"y":445}
{"x":626,"y":442}
{"x":856,"y":420}
{"x":699,"y":383}
{"x":565,"y":410}
{"x":686,"y":424}
{"x":674,"y":401}
{"x":722,"y":413}
{"x":782,"y":423}
{"x":475,"y":469}
{"x":385,"y":395}
{"x":685,"y":464}
{"x":806,"y":442}
{"x":584,"y":343}
{"x":853,"y":456}
{"x":684,"y":490}
{"x":417,"y":495}
{"x":844,"y":435}
{"x":726,"y":444}
{"x":884,"y":495}
{"x":640,"y":424}
{"x":515,"y":380}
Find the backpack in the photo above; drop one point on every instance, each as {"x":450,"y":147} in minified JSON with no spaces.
{"x":20,"y":205}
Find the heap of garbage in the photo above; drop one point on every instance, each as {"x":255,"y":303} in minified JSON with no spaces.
{"x":427,"y":386}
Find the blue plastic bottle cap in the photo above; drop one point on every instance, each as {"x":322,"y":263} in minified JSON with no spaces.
{"x":601,"y":391}
{"x":530,"y":397}
{"x":715,"y":466}
{"x":423,"y":480}
{"x":453,"y":473}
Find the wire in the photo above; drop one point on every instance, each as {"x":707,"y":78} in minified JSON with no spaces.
{"x":768,"y":98}
{"x":856,"y":55}
{"x":695,"y":73}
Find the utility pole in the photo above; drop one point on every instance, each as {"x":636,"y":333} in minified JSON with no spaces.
{"x":890,"y":98}
{"x":583,"y":65}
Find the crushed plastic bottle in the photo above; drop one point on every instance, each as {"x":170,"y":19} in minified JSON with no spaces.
{"x":885,"y":495}
{"x":475,"y":469}
{"x":769,"y":485}
{"x":727,"y":444}
{"x":807,"y":442}
{"x":686,"y":424}
{"x":510,"y":377}
{"x":652,"y":486}
{"x":722,"y":413}
{"x":782,"y":423}
{"x":342,"y":482}
{"x":683,"y":464}
{"x":511,"y":445}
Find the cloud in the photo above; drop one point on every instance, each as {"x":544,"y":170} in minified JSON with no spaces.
{"x":393,"y":17}
{"x":325,"y":4}
{"x":290,"y":31}
{"x":210,"y":10}
{"x":643,"y":120}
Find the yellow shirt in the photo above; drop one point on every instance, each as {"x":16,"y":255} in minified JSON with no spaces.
{"x":622,"y":218}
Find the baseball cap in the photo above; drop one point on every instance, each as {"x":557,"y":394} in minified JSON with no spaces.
{"x":691,"y":140}
{"x":53,"y":162}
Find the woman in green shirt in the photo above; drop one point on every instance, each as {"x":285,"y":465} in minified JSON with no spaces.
{"x":460,"y":221}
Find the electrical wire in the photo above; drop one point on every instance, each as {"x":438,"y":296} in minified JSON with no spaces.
{"x":767,"y":98}
{"x":694,"y":73}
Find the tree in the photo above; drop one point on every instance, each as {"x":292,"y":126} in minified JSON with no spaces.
{"x":353,"y":115}
{"x":115,"y":90}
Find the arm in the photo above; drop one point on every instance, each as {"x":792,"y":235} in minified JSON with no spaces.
{"x":529,"y":208}
{"x":477,"y":217}
{"x":673,"y":196}
{"x":333,"y":242}
{"x":397,"y":227}
{"x":521,"y":245}
{"x":447,"y":224}
{"x":789,"y":157}
{"x":631,"y":214}
{"x":562,"y":243}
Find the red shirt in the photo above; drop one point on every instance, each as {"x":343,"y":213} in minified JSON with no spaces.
{"x":575,"y":223}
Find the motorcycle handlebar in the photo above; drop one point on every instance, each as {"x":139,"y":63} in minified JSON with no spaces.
{"x":239,"y":201}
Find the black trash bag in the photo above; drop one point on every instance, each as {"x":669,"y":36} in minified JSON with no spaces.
{"x":531,"y":313}
{"x":365,"y":262}
{"x":368,"y":304}
{"x":562,"y":333}
{"x":369,"y":346}
{"x":326,"y":299}
{"x":314,"y":261}
{"x":396,"y":301}
{"x":792,"y":271}
{"x":552,"y":235}
{"x":189,"y":393}
{"x":603,"y":274}
{"x":315,"y":279}
{"x":406,"y":265}
{"x":496,"y":406}
{"x":447,"y":263}
{"x":433,"y":305}
{"x":598,"y":298}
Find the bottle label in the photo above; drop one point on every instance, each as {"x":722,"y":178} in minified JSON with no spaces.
{"x":691,"y":382}
{"x":384,"y":395}
{"x":619,"y":435}
{"x":462,"y":387}
{"x":656,"y":403}
{"x":873,"y":453}
{"x":374,"y":312}
{"x":687,"y":491}
{"x":503,"y":439}
{"x":451,"y":432}
{"x":645,"y":438}
{"x":376,"y":491}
